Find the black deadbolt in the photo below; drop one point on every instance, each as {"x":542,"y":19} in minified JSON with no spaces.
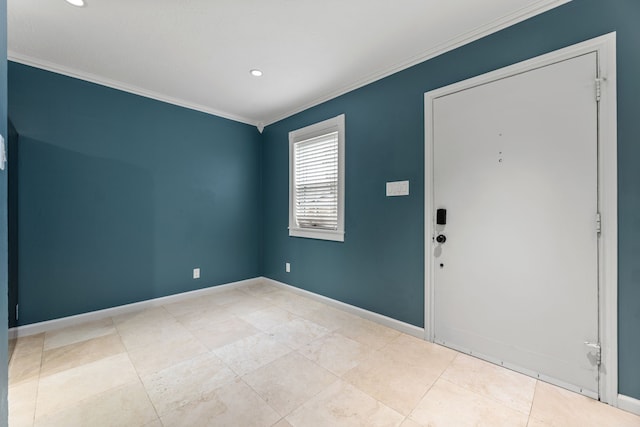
{"x":441,"y":238}
{"x":441,"y":217}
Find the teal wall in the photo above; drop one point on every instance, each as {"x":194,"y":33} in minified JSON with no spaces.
{"x":120,"y":196}
{"x":12,"y":224}
{"x":3,"y":218}
{"x":380,"y":266}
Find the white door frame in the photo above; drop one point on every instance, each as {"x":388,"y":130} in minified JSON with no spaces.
{"x":605,"y":46}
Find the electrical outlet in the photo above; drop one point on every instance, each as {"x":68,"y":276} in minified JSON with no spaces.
{"x":196,"y":273}
{"x":287,"y":267}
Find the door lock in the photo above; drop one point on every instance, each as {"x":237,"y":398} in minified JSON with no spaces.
{"x":441,"y":238}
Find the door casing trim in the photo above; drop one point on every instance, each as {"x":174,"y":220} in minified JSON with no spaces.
{"x":605,"y":46}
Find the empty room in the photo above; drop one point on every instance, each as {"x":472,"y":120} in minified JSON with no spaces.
{"x":320,"y":213}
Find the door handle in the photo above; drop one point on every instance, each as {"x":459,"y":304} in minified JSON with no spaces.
{"x":441,"y":238}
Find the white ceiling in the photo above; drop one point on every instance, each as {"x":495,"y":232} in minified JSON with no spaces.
{"x":198,"y":53}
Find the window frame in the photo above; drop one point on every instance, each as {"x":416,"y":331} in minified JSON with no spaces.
{"x":334,"y":124}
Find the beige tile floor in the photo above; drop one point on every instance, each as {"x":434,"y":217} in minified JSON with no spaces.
{"x":263,"y":356}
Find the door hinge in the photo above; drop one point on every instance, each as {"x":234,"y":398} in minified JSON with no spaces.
{"x":598,"y":89}
{"x":17,"y":311}
{"x":598,"y":223}
{"x":596,"y":347}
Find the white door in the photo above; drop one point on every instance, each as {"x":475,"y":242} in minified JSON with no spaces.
{"x":515,"y":167}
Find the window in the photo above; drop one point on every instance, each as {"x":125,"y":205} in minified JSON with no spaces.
{"x":316,"y":180}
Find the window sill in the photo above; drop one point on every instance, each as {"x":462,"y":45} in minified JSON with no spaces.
{"x":336,"y":236}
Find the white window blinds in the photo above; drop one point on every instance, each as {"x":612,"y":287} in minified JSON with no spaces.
{"x":316,"y":182}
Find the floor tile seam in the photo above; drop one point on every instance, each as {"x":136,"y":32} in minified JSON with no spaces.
{"x":438,"y":378}
{"x":83,"y":400}
{"x":316,"y":338}
{"x":35,"y":403}
{"x":76,"y":342}
{"x":192,"y":356}
{"x":236,"y":373}
{"x":408,"y":418}
{"x":203,"y":328}
{"x":14,"y":382}
{"x":282,"y":416}
{"x":201,"y":397}
{"x":380,"y":402}
{"x":288,"y":345}
{"x":137,"y":346}
{"x":46,"y":374}
{"x":181,"y":362}
{"x":371,"y":348}
{"x":262,"y":296}
{"x":131,"y":313}
{"x":279,"y":421}
{"x":485,"y":397}
{"x":495,"y":367}
{"x":224,"y":305}
{"x":93,"y":362}
{"x":17,"y":353}
{"x":392,"y":340}
{"x":259,"y":332}
{"x":122,"y":328}
{"x":251,"y":296}
{"x":367,"y":358}
{"x":336,"y":379}
{"x":295,"y":316}
{"x":530,"y":417}
{"x":389,"y":353}
{"x":144,"y":387}
{"x":369,"y":353}
{"x":317,"y":364}
{"x":352,"y":384}
{"x":175,"y":316}
{"x":78,"y":325}
{"x":419,"y":401}
{"x":119,"y":332}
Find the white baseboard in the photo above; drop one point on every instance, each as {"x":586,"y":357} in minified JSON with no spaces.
{"x":360,"y":312}
{"x":629,"y":404}
{"x":49,"y":325}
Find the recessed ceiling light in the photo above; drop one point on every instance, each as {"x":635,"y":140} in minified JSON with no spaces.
{"x":78,"y":3}
{"x":255,"y":72}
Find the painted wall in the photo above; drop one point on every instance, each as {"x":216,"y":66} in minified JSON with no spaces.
{"x":12,"y":224}
{"x":380,"y":266}
{"x":3,"y":219}
{"x":120,"y":196}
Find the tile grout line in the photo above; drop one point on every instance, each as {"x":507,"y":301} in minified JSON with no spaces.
{"x":434,"y":381}
{"x":146,"y":392}
{"x":535,"y":390}
{"x":467,"y":388}
{"x":297,"y":351}
{"x":35,"y":404}
{"x":155,"y":409}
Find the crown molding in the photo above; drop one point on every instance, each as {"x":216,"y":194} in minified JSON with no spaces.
{"x":114,"y":84}
{"x":461,"y":40}
{"x":499,"y":24}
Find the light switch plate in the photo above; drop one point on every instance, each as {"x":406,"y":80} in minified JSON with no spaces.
{"x":397,"y":188}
